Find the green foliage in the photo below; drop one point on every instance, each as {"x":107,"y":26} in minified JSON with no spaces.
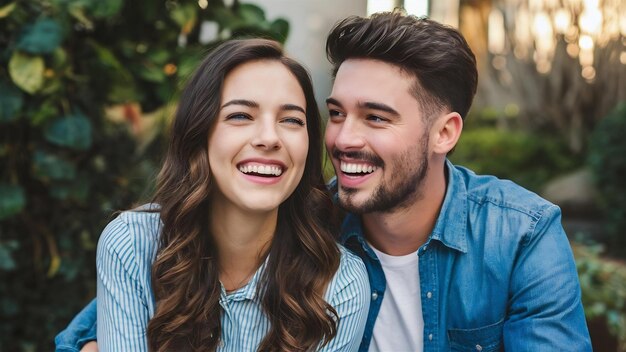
{"x":85,"y":89}
{"x":526,"y":158}
{"x":603,"y":285}
{"x":607,"y":149}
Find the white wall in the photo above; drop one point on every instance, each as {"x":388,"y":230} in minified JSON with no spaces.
{"x":310,"y":21}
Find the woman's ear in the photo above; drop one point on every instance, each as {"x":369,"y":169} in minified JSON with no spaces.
{"x":446,"y":132}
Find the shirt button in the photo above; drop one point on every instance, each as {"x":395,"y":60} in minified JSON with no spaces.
{"x":479,"y":348}
{"x":429,"y":295}
{"x":374,"y":296}
{"x":430,"y":337}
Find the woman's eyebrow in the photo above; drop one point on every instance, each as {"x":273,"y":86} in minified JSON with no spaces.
{"x":248,"y":103}
{"x":292,"y":107}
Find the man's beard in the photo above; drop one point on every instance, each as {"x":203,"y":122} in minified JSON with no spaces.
{"x":402,"y":190}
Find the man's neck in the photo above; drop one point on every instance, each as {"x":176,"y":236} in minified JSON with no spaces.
{"x":405,"y":230}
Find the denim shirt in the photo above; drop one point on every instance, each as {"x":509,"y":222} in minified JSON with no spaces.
{"x":496,"y":273}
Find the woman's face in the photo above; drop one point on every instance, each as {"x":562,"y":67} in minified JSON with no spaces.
{"x":258,"y":147}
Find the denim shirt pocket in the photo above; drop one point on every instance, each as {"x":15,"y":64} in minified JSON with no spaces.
{"x":483,"y":339}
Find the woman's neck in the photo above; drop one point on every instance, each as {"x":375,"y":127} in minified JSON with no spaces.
{"x":242,"y":239}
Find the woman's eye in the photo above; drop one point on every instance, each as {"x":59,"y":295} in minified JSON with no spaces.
{"x":238,"y":116}
{"x":294,"y":120}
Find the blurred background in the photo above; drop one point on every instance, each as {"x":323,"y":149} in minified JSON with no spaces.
{"x":87,"y":88}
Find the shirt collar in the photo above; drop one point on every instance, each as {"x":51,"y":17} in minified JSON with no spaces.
{"x":450,"y":225}
{"x":247,"y":292}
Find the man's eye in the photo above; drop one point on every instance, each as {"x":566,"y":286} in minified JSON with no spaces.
{"x":375,"y":118}
{"x":294,"y":121}
{"x":334,"y":113}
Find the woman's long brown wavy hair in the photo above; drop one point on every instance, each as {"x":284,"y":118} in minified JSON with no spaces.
{"x":303,"y":255}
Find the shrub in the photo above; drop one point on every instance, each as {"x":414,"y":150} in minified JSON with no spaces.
{"x":84,"y":93}
{"x":528,"y":159}
{"x":607,"y":151}
{"x":603,"y":285}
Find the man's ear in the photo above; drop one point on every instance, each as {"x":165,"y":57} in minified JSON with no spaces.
{"x":446,"y":131}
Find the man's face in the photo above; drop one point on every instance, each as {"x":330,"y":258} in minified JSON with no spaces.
{"x":376,"y":137}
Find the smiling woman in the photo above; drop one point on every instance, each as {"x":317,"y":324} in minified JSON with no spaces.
{"x":258,"y":147}
{"x":234,"y":253}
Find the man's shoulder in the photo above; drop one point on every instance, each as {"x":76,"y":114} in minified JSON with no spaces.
{"x":484,"y":190}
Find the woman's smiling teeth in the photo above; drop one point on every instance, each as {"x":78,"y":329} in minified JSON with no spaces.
{"x":264,"y":170}
{"x":352,"y":168}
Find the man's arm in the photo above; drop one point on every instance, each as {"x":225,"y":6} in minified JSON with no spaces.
{"x":545,"y":308}
{"x":81,"y":330}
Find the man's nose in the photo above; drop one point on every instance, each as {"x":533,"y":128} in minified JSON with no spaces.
{"x":350,"y":135}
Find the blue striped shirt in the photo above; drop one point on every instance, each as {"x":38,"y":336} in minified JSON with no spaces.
{"x":126,"y":303}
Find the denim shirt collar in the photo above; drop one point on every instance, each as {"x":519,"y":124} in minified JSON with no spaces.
{"x":450,"y":227}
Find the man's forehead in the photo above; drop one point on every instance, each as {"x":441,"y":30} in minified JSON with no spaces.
{"x":360,"y":81}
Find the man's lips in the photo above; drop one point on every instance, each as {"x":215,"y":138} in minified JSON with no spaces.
{"x":356,"y":167}
{"x":357,"y":158}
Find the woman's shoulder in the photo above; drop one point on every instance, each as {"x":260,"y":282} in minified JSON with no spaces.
{"x":351,"y":269}
{"x":350,"y":285}
{"x":349,"y":259}
{"x":134,"y":232}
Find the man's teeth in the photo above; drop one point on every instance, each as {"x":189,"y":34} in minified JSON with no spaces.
{"x":261,"y":169}
{"x":352,"y":168}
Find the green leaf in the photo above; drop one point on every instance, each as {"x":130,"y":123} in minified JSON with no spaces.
{"x":224,"y":17}
{"x":78,"y":12}
{"x":12,"y":200}
{"x":59,"y":58}
{"x":77,"y":190}
{"x":52,"y":167}
{"x":42,"y":37}
{"x":123,"y":91}
{"x":251,"y":14}
{"x":105,"y":55}
{"x":105,"y":8}
{"x":72,"y":131}
{"x":27,"y":71}
{"x":152,"y":73}
{"x":185,"y":16}
{"x":44,"y":112}
{"x":6,"y":9}
{"x":10,"y":102}
{"x":6,"y":259}
{"x":159,"y":56}
{"x":281,"y":28}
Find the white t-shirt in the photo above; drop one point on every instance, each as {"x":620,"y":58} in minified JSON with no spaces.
{"x":399,"y":326}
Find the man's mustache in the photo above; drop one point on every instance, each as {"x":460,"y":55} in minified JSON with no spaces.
{"x":359,"y":155}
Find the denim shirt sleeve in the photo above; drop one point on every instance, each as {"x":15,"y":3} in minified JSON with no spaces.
{"x":545,"y":308}
{"x":81,"y":330}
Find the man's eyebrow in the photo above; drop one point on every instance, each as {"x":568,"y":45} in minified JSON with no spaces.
{"x":379,"y":106}
{"x":248,"y":103}
{"x":292,"y":107}
{"x":368,"y":105}
{"x":333,"y":101}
